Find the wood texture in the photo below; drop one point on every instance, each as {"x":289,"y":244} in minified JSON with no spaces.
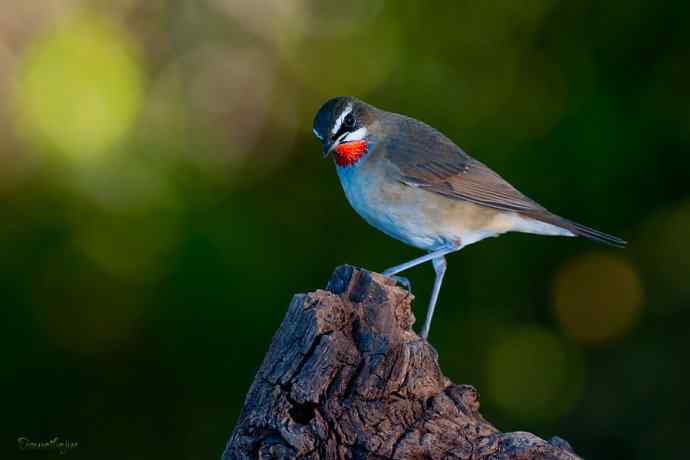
{"x":347,"y":378}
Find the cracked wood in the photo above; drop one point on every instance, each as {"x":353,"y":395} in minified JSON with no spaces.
{"x":346,"y":378}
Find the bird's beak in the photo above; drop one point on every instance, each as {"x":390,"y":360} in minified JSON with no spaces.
{"x":330,"y":144}
{"x":327,"y":147}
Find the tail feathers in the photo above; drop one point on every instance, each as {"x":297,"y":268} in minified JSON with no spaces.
{"x":582,"y":230}
{"x":592,"y":234}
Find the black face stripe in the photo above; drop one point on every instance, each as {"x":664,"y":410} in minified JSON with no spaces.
{"x":345,"y":129}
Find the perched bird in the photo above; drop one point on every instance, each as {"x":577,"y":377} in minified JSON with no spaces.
{"x":414,"y":184}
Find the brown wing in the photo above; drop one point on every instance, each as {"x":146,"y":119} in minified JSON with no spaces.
{"x":427,"y":159}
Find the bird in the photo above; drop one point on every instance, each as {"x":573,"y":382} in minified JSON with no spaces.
{"x":414,"y":184}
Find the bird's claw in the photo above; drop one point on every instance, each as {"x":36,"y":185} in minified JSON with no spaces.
{"x":403,"y":282}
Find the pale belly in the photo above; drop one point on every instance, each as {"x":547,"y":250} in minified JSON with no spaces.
{"x":418,"y":217}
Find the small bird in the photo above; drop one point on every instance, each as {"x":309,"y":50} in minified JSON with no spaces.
{"x":410,"y":181}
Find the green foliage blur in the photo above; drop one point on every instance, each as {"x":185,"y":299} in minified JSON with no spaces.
{"x":162,"y":198}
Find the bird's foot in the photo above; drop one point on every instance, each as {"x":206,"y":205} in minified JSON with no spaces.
{"x":403,"y":282}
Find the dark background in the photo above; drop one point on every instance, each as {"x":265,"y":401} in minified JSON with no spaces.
{"x":162,"y":198}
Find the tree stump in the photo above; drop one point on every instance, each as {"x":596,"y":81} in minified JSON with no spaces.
{"x":347,"y":378}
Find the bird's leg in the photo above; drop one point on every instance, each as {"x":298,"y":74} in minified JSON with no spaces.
{"x":450,"y":247}
{"x":440,"y":265}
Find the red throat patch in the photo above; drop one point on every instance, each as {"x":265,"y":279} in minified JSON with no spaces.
{"x":349,"y":153}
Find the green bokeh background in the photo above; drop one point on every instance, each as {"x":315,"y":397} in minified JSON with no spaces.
{"x":162,"y":198}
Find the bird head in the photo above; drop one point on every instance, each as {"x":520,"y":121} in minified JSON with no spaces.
{"x":341,"y":126}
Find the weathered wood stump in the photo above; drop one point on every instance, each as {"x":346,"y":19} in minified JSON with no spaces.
{"x":347,"y":378}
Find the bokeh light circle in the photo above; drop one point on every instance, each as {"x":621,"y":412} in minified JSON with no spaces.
{"x":230,"y":89}
{"x":532,"y":375}
{"x":79,"y":89}
{"x":665,"y":257}
{"x":597,"y":297}
{"x":85,"y":312}
{"x":310,"y":53}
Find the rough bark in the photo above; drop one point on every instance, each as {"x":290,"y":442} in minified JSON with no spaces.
{"x":347,"y":378}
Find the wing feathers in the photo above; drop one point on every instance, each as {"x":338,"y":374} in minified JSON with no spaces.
{"x":427,"y":159}
{"x":592,"y":234}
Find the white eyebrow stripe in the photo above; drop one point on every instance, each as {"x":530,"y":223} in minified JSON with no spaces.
{"x":357,"y":135}
{"x":316,"y":133}
{"x":339,"y":121}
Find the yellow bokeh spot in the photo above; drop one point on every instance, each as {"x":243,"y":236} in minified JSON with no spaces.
{"x":665,"y":251}
{"x":597,"y":298}
{"x":80,"y":89}
{"x":349,"y":70}
{"x":132,"y":247}
{"x":85,"y":312}
{"x":532,"y":375}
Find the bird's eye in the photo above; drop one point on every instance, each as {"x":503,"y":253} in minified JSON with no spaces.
{"x":349,"y":121}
